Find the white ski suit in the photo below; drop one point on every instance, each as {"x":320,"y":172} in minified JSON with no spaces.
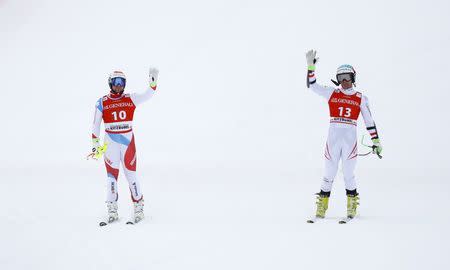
{"x":117,"y":113}
{"x":345,"y":106}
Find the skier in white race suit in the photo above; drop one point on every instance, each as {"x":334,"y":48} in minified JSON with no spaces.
{"x":117,"y":110}
{"x":345,"y":105}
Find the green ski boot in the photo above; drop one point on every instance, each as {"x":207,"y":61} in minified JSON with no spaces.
{"x":322,"y":205}
{"x":352,"y":204}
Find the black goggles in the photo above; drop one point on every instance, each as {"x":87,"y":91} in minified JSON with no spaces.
{"x":346,"y":76}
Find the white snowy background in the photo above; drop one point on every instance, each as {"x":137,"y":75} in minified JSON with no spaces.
{"x":230,"y":149}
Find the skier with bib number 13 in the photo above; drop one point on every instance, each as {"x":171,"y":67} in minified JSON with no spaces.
{"x":117,"y":110}
{"x":345,"y":105}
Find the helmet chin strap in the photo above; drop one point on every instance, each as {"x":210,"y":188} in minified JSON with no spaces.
{"x":117,"y":93}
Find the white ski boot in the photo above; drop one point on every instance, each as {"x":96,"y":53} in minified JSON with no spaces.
{"x":112,"y":212}
{"x":138,"y":211}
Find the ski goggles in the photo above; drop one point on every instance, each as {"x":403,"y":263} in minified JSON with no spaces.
{"x":346,"y":76}
{"x":118,"y":81}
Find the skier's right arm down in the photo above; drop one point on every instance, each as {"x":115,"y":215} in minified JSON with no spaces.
{"x":97,"y":149}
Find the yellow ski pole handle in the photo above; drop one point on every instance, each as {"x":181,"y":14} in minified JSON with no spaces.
{"x":99,"y":153}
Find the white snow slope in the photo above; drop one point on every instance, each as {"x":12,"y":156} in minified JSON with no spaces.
{"x":230,"y":149}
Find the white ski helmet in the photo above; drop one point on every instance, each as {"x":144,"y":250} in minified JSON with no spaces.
{"x":346,"y":69}
{"x":117,"y":78}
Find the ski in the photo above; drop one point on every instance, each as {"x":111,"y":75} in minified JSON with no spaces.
{"x":135,"y":221}
{"x":111,"y":220}
{"x":346,"y":220}
{"x":313,"y":220}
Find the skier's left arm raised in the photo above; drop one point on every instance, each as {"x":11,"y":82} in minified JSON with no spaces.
{"x":139,"y":98}
{"x":370,"y":124}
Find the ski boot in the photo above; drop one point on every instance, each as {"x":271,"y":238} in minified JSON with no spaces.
{"x":322,"y":203}
{"x":352,"y":203}
{"x":112,"y":212}
{"x":138,"y":211}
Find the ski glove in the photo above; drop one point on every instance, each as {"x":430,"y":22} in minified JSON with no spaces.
{"x":311,"y":59}
{"x":153,"y":77}
{"x":377,"y":148}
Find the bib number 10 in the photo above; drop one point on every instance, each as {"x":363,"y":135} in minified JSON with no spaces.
{"x":345,"y":112}
{"x":122,"y":115}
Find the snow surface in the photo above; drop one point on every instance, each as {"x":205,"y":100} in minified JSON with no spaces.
{"x":230,"y":150}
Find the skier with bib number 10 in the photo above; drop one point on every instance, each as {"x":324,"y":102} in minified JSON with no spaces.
{"x":345,"y":105}
{"x":117,"y":110}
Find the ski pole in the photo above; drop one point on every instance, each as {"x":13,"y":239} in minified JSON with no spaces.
{"x":373,"y":147}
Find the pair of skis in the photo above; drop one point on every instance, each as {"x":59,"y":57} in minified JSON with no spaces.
{"x":341,"y":221}
{"x":111,"y":220}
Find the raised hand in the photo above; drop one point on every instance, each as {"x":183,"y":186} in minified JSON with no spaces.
{"x":311,"y":59}
{"x":153,"y":77}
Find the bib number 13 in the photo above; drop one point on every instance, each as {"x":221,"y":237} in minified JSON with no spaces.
{"x":347,"y":112}
{"x":122,"y":115}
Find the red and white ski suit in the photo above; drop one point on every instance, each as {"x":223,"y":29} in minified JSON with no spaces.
{"x":344,"y":108}
{"x":117,"y":113}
